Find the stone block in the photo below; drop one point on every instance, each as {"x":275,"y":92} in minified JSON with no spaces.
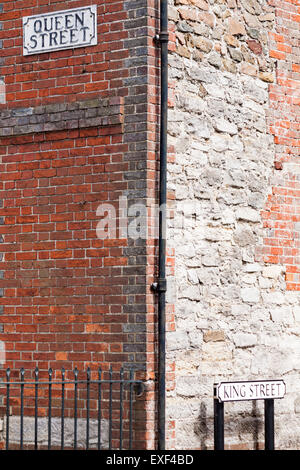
{"x":236,"y":27}
{"x":214,"y":335}
{"x":273,"y":271}
{"x":222,"y":125}
{"x":244,"y":340}
{"x":248,"y":214}
{"x":28,"y":436}
{"x":250,"y":294}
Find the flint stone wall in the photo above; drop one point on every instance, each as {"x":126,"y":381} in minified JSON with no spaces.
{"x":234,"y":318}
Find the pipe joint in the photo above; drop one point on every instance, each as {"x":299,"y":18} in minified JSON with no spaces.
{"x":163,"y":36}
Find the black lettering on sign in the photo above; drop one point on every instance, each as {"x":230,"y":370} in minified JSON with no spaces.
{"x":84,"y":32}
{"x":69,"y":23}
{"x":58,"y":24}
{"x":37,"y":26}
{"x":63,"y":37}
{"x":73,"y":36}
{"x":53,"y":39}
{"x":79,"y":20}
{"x":48,"y":24}
{"x":33,"y":41}
{"x":43,"y":35}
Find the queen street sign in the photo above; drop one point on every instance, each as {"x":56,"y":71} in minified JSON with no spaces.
{"x":60,"y":30}
{"x":256,"y":390}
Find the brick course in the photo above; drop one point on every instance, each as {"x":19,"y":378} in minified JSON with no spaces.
{"x":74,"y":133}
{"x":281,"y":215}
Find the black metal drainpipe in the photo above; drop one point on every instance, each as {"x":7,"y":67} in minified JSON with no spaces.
{"x":162,"y":283}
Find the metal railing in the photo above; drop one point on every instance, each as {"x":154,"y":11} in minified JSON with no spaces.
{"x":91,"y":410}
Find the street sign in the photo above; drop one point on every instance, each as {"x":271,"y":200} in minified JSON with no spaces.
{"x":60,"y":30}
{"x":255,"y":390}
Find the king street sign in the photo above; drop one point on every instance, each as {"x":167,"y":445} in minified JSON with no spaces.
{"x":256,"y":390}
{"x":60,"y":30}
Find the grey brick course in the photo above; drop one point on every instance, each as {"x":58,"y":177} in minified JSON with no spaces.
{"x":61,"y":116}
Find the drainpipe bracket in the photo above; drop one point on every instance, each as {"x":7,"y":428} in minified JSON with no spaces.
{"x":160,"y":286}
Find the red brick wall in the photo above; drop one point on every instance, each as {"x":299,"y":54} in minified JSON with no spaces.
{"x":63,"y":286}
{"x":77,"y":131}
{"x":282,"y":212}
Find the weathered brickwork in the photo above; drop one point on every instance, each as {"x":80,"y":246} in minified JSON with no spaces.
{"x":282,"y":213}
{"x":234,"y":214}
{"x":77,"y":131}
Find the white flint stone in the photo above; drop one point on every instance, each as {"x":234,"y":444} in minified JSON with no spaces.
{"x":219,"y":143}
{"x":199,"y":128}
{"x":249,"y":279}
{"x":228,"y":217}
{"x":240,"y":309}
{"x":188,"y":386}
{"x":195,"y":338}
{"x":211,"y":260}
{"x":222,"y":125}
{"x":247,"y":214}
{"x":192,"y":276}
{"x":272,"y":272}
{"x":215,"y":91}
{"x":282,"y":315}
{"x":273,"y":298}
{"x":177,"y":340}
{"x":264,"y":283}
{"x":250,"y":294}
{"x":190,"y":292}
{"x":253,"y":106}
{"x":213,"y":234}
{"x":296,"y":313}
{"x":244,"y":340}
{"x":252,"y":268}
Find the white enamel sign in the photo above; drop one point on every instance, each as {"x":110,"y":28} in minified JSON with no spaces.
{"x":256,"y":390}
{"x":60,"y":30}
